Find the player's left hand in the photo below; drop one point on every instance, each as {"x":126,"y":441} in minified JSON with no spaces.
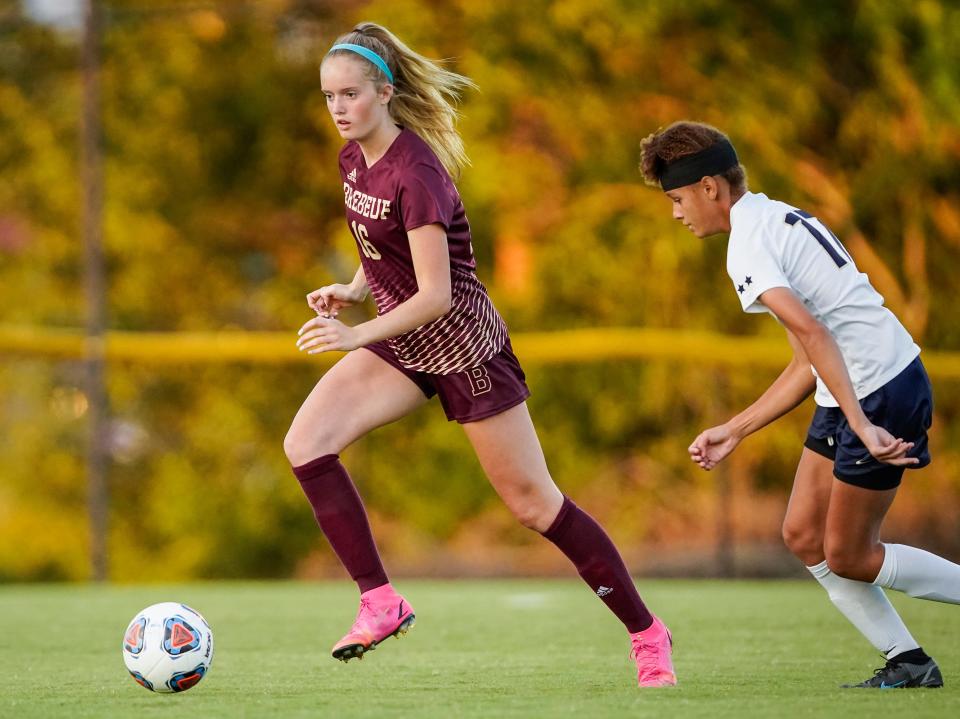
{"x":325,"y":334}
{"x":885,"y":447}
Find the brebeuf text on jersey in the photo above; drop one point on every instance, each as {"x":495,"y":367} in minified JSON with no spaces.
{"x":363,"y":204}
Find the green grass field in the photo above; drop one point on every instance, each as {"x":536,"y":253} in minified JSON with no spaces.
{"x":480,"y":649}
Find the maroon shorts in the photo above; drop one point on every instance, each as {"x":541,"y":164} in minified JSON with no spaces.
{"x":471,"y":395}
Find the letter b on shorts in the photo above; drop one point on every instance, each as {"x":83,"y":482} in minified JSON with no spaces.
{"x":480,"y":381}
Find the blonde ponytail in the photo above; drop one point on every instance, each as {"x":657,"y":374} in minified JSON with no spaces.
{"x":425,"y":95}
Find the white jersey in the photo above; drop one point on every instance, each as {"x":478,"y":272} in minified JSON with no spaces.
{"x":773,"y":244}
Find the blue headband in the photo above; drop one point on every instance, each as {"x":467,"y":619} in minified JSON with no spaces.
{"x":368,"y":54}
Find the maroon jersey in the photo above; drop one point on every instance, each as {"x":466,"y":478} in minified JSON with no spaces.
{"x":405,"y":189}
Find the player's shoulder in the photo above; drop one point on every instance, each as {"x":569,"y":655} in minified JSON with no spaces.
{"x":416,"y":155}
{"x":756,"y":215}
{"x":412,"y":145}
{"x":754,"y":206}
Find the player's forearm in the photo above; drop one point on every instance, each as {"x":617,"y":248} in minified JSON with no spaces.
{"x":421,"y":308}
{"x":826,"y":357}
{"x":359,"y":284}
{"x":793,"y":386}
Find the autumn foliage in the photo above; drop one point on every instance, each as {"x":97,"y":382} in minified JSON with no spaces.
{"x":223,"y":208}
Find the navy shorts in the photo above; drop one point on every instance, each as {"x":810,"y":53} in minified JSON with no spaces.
{"x":473,"y":394}
{"x":903,"y":407}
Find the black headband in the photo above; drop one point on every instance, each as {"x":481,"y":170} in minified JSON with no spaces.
{"x":714,"y":160}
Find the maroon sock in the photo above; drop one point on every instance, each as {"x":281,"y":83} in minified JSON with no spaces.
{"x":341,"y":516}
{"x":578,"y":535}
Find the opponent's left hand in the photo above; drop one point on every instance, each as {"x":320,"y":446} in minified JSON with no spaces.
{"x":325,"y":334}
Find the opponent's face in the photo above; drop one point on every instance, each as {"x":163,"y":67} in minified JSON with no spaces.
{"x":699,"y":208}
{"x":357,"y":107}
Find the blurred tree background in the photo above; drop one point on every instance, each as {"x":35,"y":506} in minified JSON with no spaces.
{"x":223,"y":208}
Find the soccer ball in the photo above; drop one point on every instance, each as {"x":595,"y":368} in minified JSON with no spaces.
{"x":168,"y":647}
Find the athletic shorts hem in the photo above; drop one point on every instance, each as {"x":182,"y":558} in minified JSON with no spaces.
{"x":381,"y":351}
{"x":879,"y":480}
{"x":493,"y":412}
{"x":821,"y":446}
{"x":492,"y":387}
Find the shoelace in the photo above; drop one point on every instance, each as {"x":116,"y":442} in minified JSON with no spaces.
{"x":649,"y":665}
{"x":881,"y":672}
{"x":886,"y":667}
{"x":364,"y":608}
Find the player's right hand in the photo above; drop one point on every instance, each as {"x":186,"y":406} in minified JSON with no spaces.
{"x":712,"y":445}
{"x":329,"y":300}
{"x":885,"y":447}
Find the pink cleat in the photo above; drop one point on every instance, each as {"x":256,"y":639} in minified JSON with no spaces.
{"x":383,"y":613}
{"x":652,"y":649}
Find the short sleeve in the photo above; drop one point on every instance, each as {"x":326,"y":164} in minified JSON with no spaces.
{"x":753,"y":267}
{"x":426,"y":197}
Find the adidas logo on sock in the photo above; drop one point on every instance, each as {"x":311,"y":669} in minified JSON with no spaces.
{"x":352,"y":176}
{"x":604,"y":591}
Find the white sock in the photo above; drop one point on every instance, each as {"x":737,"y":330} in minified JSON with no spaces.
{"x":868,"y":609}
{"x":919,"y":574}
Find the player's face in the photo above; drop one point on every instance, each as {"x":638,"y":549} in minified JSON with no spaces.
{"x":697,"y":208}
{"x":357,"y":108}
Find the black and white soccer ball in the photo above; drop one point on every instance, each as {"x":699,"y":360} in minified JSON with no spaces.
{"x":168,"y":647}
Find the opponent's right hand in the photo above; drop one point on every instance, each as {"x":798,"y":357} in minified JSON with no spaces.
{"x":329,"y":300}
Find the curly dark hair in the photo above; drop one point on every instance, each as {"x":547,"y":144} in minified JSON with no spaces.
{"x":681,"y":139}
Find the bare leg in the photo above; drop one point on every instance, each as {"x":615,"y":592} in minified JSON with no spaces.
{"x":510,"y":454}
{"x":804,"y":529}
{"x":852,"y":540}
{"x":854,"y":549}
{"x":359,"y":393}
{"x":804,"y":525}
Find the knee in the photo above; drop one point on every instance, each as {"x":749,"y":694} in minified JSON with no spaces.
{"x":847,"y":562}
{"x":301,"y":446}
{"x":804,"y":542}
{"x":533,"y":511}
{"x":292,"y":448}
{"x":842,"y":563}
{"x":529,"y":515}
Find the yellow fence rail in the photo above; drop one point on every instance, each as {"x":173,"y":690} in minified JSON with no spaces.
{"x":567,"y":346}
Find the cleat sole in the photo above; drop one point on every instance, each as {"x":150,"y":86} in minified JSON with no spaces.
{"x":345,"y":654}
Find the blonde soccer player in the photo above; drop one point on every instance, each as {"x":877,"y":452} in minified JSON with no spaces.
{"x":436,"y":333}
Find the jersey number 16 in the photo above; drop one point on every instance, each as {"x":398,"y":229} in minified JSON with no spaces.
{"x":363,"y":239}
